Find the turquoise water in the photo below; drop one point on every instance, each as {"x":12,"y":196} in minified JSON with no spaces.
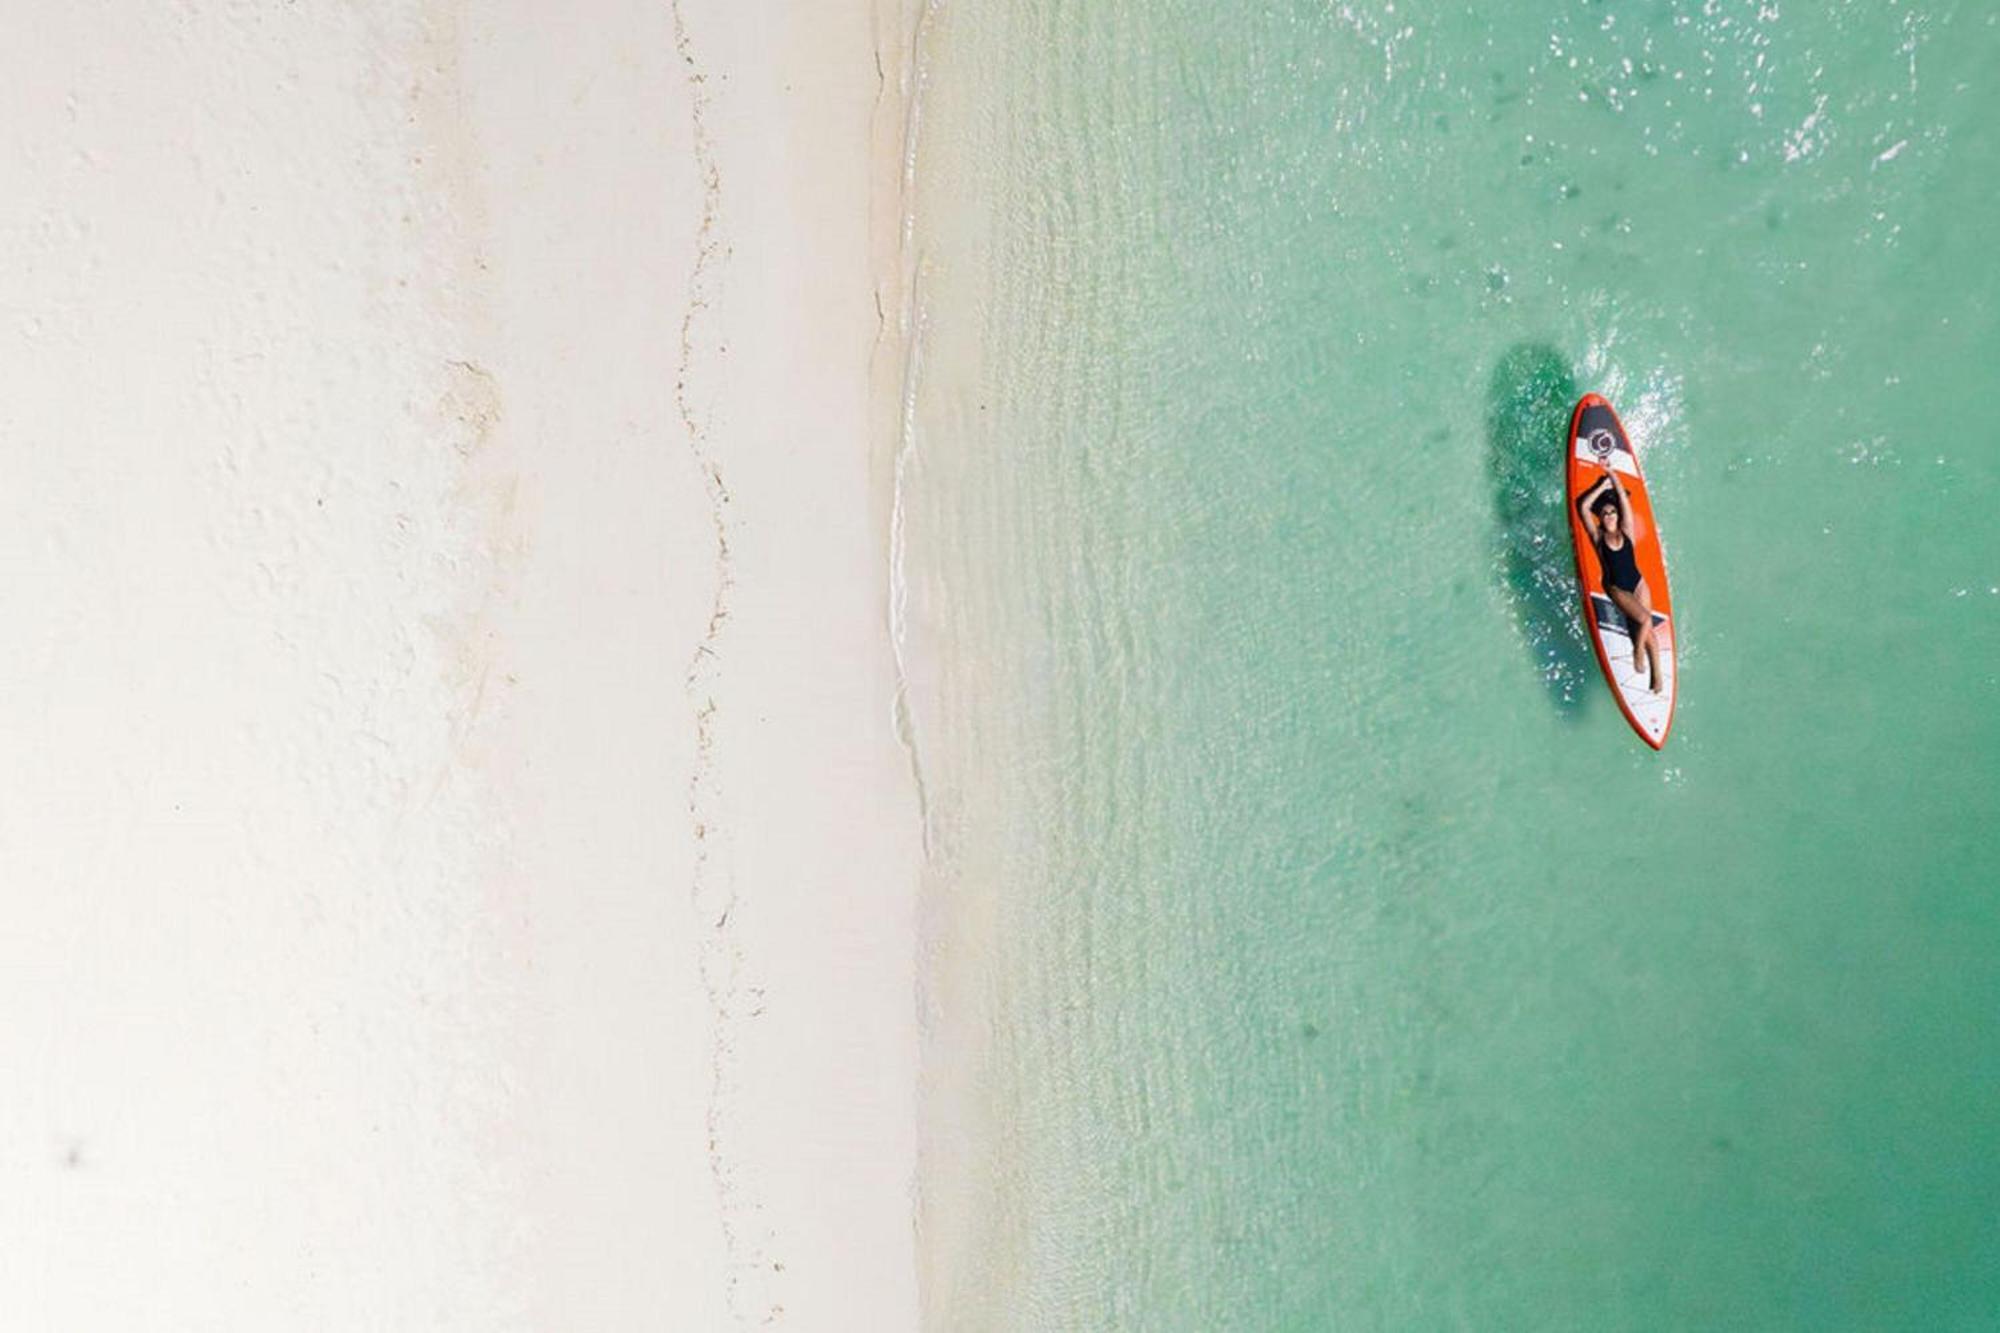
{"x":1311,"y":944}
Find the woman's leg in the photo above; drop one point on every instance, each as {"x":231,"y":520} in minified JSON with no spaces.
{"x":1652,"y":640}
{"x":1639,"y":617}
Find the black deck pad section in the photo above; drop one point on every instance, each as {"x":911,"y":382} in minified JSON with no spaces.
{"x":1611,"y":618}
{"x":1598,"y":417}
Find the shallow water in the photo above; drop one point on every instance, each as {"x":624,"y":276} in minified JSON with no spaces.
{"x":1312,"y":944}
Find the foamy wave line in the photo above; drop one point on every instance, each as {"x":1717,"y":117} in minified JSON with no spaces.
{"x":912,"y":323}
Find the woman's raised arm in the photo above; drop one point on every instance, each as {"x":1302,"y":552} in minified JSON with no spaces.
{"x":1624,"y":506}
{"x":1584,"y":502}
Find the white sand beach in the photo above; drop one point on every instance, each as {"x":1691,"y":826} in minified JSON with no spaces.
{"x":458,"y":863}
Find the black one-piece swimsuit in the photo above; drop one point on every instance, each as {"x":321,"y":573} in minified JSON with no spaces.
{"x":1619,"y":565}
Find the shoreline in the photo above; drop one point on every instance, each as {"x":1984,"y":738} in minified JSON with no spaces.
{"x":780,"y":917}
{"x":811,"y":855}
{"x":778,"y":1161}
{"x":970,"y":1235}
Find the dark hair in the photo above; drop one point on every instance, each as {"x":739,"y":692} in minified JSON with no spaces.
{"x":1604,"y":502}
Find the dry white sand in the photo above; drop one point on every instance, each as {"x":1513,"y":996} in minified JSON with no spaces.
{"x":457,"y":863}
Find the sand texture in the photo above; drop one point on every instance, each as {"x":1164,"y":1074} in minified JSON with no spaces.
{"x":457,"y":858}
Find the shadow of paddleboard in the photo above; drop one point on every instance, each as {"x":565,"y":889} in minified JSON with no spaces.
{"x":1527,"y":423}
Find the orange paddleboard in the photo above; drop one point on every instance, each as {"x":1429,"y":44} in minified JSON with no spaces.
{"x":1598,"y":447}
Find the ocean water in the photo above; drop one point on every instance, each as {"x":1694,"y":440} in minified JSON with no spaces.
{"x":1310,"y":944}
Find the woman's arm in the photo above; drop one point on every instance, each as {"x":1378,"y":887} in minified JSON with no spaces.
{"x":1624,"y":505}
{"x":1584,"y":501}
